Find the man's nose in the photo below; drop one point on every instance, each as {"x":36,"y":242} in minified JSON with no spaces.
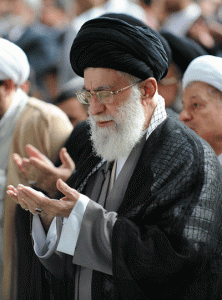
{"x":185,"y":116}
{"x":96,"y":107}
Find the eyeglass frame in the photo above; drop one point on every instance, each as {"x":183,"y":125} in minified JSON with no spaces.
{"x":80,"y":92}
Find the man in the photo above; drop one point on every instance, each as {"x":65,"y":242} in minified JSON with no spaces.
{"x":68,"y":102}
{"x":40,"y":43}
{"x":183,"y":50}
{"x":202,"y":100}
{"x":186,"y":18}
{"x":155,"y":231}
{"x":23,"y":120}
{"x":180,"y":16}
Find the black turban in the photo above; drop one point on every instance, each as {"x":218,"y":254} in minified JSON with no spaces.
{"x":115,"y":44}
{"x":136,"y":22}
{"x":183,"y":49}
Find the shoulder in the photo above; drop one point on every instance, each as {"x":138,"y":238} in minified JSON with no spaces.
{"x":44,"y":109}
{"x":175,"y":147}
{"x":79,"y":142}
{"x":174,"y":133}
{"x":43,"y":119}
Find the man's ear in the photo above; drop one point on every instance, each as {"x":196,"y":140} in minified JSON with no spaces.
{"x":9,"y":86}
{"x":148,"y":89}
{"x":26,"y":86}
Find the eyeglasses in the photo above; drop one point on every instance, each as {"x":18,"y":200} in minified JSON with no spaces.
{"x":104,"y":97}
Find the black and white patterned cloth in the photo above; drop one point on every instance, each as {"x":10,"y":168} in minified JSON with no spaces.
{"x":158,"y":117}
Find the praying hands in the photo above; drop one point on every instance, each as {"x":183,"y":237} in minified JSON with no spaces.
{"x":37,"y":203}
{"x":41,"y":172}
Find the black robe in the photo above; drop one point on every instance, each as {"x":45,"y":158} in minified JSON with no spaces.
{"x":166,"y":240}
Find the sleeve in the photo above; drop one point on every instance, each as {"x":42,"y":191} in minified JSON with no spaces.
{"x":57,"y":240}
{"x":71,"y":227}
{"x":93,"y":248}
{"x":45,"y":246}
{"x":86,"y":235}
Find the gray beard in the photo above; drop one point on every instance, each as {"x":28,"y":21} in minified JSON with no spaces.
{"x":118,"y":140}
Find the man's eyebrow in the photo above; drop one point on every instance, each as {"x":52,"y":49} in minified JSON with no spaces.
{"x":100,"y":88}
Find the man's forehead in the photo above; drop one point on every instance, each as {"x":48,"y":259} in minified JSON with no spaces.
{"x":101,"y":78}
{"x":197,"y":90}
{"x":100,"y":71}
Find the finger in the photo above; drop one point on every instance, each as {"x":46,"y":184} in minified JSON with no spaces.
{"x":34,"y":199}
{"x":17,"y":159}
{"x":66,"y":159}
{"x":12,"y":192}
{"x":70,"y":193}
{"x":35,"y":153}
{"x":13,"y":195}
{"x":25,"y":165}
{"x":31,"y":197}
{"x":42,"y":166}
{"x":28,"y":203}
{"x":20,"y":163}
{"x":12,"y":188}
{"x":23,"y":204}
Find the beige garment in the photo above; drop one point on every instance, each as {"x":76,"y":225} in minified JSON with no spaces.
{"x":46,"y":127}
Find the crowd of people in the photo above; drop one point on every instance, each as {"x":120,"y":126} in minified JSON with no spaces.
{"x":111,"y":149}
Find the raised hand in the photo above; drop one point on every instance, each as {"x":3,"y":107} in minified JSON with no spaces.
{"x":37,"y":202}
{"x":41,"y":172}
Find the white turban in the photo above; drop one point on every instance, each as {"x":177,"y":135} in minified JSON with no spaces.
{"x":13,"y":62}
{"x":35,"y":5}
{"x":205,"y":68}
{"x":180,"y":22}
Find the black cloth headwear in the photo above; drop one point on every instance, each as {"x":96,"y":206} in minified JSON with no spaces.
{"x":183,"y":49}
{"x":115,"y":44}
{"x":136,"y":22}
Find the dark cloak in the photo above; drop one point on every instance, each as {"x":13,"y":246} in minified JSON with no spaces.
{"x":166,"y":242}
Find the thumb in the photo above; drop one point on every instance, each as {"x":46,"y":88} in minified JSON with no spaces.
{"x":67,"y":191}
{"x":66,"y":159}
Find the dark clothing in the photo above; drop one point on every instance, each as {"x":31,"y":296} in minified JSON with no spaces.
{"x":166,"y":240}
{"x":184,"y":49}
{"x":31,"y":281}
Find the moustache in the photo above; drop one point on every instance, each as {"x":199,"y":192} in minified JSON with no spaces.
{"x":102,"y":118}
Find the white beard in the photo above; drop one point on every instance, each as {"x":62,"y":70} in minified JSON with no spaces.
{"x":118,"y":140}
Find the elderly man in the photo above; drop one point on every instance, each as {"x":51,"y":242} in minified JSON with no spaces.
{"x":202,"y":100}
{"x":136,"y":219}
{"x":23,"y":120}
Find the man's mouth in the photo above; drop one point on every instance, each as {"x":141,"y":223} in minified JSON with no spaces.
{"x":104,"y":123}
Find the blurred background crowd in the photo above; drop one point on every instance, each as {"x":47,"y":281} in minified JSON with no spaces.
{"x":45,"y":29}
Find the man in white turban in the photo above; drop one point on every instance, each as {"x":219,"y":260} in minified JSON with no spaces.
{"x":23,"y":120}
{"x":202,"y":100}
